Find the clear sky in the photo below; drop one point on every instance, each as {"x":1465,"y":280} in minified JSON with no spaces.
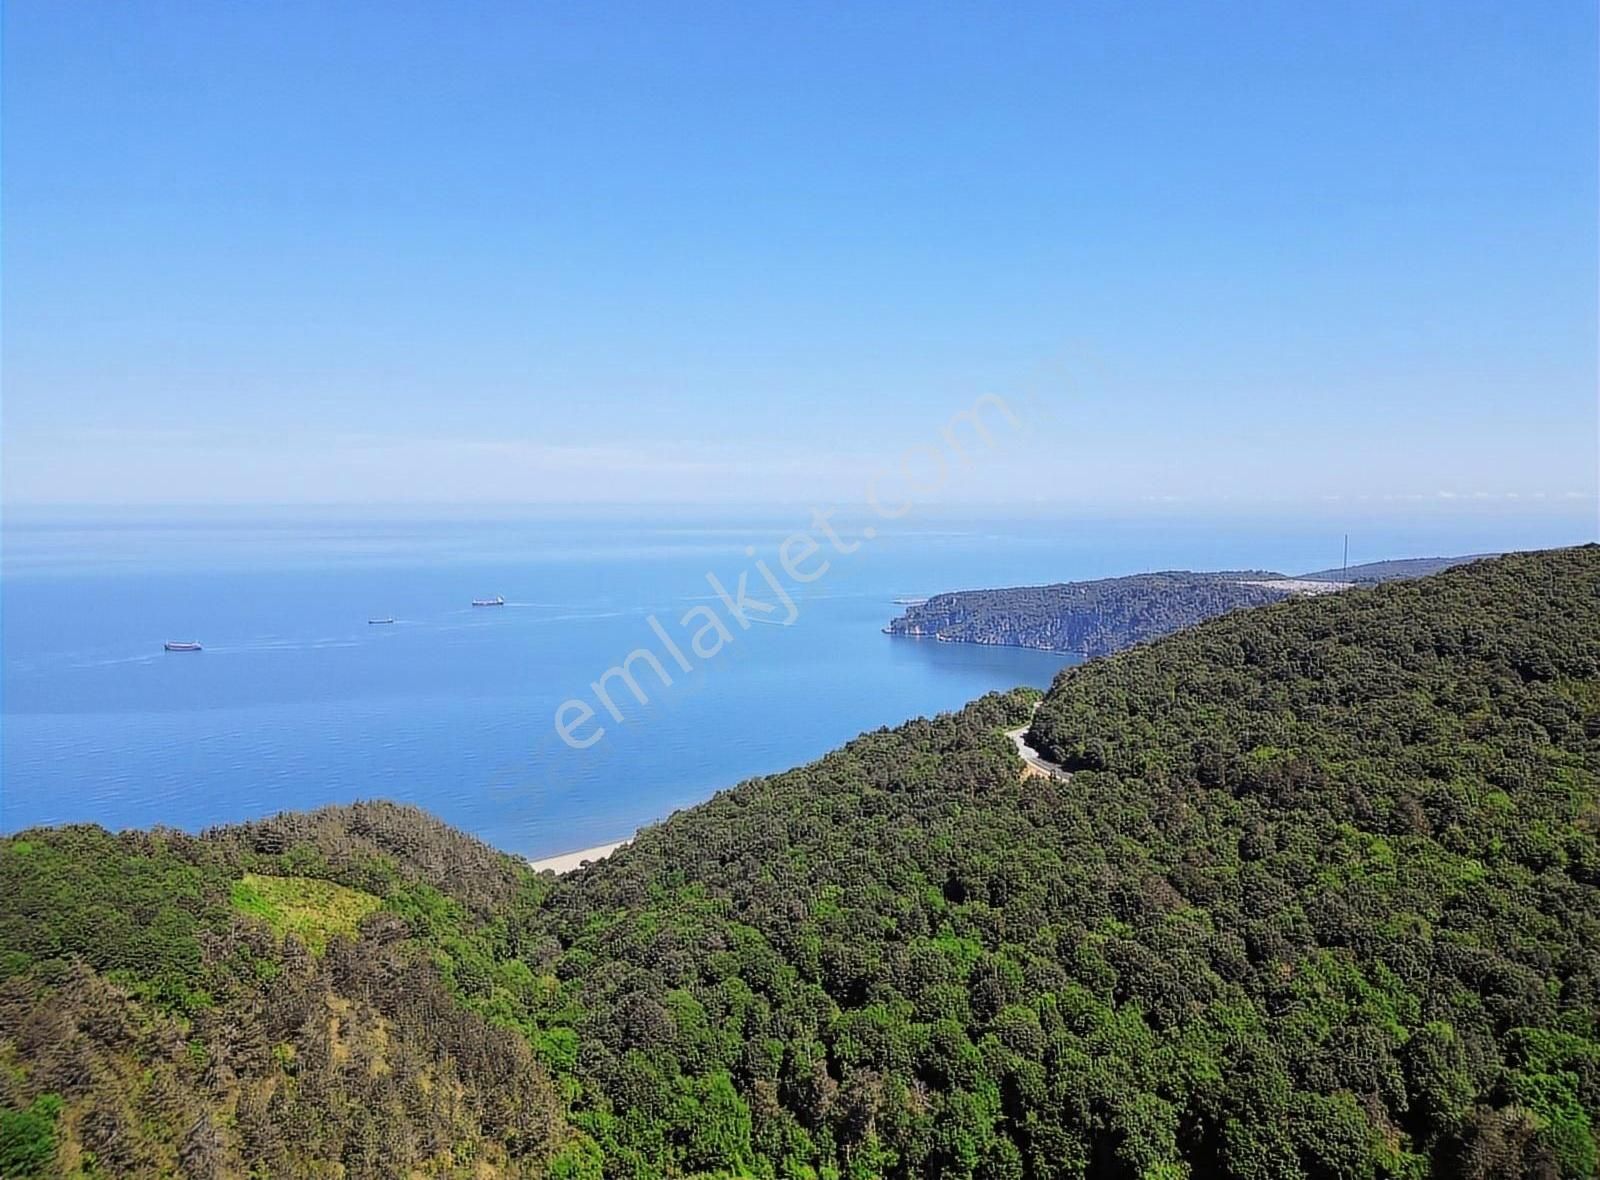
{"x":554,"y":252}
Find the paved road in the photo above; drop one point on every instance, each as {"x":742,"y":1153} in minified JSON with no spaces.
{"x":1019,"y":739}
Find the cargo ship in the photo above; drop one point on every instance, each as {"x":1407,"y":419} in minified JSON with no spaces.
{"x":180,"y":645}
{"x":495,"y":601}
{"x":378,"y":622}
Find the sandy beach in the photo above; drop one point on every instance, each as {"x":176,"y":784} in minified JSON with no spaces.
{"x":567,"y":861}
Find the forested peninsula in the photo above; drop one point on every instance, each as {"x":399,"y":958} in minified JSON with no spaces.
{"x":1320,"y":899}
{"x":1091,"y":618}
{"x":1098,"y":617}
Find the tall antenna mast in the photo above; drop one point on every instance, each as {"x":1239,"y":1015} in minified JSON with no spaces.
{"x":1347,"y":557}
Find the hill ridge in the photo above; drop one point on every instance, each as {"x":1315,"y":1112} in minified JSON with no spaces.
{"x":1322,"y":898}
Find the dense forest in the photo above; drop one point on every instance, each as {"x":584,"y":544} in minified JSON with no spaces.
{"x":1321,"y":899}
{"x":1087,"y":618}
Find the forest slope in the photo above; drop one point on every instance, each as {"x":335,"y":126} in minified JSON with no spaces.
{"x":1322,"y":899}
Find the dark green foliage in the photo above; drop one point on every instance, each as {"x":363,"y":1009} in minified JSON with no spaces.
{"x":1322,"y":899}
{"x":1324,"y":869}
{"x":127,"y":905}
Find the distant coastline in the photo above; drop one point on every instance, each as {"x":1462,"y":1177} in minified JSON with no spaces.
{"x":1092,"y":618}
{"x":1106,"y":615}
{"x":927,"y":637}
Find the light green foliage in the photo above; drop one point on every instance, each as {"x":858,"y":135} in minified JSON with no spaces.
{"x":28,"y":1138}
{"x":313,"y":911}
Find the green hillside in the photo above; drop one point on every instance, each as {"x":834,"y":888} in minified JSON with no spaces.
{"x":1321,"y":899}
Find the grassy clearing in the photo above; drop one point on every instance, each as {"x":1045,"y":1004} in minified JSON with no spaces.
{"x":313,"y":911}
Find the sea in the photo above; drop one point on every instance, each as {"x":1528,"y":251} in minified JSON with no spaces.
{"x":297,"y":700}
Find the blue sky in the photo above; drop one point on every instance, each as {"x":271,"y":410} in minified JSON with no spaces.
{"x":552,"y":253}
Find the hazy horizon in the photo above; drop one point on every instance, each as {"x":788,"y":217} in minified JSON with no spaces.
{"x":567,"y":255}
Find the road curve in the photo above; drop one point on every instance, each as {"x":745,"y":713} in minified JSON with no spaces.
{"x":1032,"y":759}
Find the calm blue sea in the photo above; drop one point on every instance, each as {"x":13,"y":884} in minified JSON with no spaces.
{"x":297,"y":701}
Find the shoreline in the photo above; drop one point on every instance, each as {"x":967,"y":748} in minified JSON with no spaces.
{"x":566,"y":862}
